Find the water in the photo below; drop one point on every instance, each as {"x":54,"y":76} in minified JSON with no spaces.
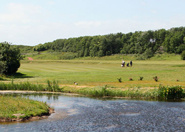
{"x":80,"y":114}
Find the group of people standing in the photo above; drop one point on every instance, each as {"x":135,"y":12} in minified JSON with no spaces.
{"x":128,"y":64}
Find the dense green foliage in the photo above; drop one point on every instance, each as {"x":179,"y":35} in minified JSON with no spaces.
{"x":24,"y":49}
{"x":10,"y":57}
{"x":145,"y":44}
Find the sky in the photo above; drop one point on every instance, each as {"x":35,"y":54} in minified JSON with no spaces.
{"x":33,"y":22}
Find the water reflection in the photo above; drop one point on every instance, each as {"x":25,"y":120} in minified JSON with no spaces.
{"x":87,"y":114}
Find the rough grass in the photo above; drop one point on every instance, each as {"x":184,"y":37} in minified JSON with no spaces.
{"x":51,"y":55}
{"x":16,"y":105}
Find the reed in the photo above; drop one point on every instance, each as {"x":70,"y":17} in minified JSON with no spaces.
{"x":51,"y":86}
{"x":130,"y":93}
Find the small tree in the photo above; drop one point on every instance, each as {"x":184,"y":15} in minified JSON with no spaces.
{"x":10,"y":57}
{"x":183,"y":55}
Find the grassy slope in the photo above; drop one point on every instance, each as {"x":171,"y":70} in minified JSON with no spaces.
{"x":105,"y":71}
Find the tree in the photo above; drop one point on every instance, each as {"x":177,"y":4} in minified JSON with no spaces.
{"x":2,"y":65}
{"x":183,"y":55}
{"x":10,"y":58}
{"x":39,"y":47}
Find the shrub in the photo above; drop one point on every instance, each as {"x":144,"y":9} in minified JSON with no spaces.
{"x":173,"y":92}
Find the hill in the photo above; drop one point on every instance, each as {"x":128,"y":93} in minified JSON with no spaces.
{"x":142,"y":43}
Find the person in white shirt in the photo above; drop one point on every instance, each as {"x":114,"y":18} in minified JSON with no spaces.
{"x":123,"y":63}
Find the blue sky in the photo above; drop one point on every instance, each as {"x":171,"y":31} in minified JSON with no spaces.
{"x":31,"y":22}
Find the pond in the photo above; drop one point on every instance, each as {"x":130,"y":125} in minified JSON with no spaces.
{"x":86,"y":114}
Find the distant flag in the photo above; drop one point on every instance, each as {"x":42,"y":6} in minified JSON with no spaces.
{"x":29,"y":58}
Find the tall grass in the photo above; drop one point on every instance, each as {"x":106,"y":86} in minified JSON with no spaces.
{"x":162,"y":92}
{"x":130,"y":93}
{"x":51,"y":86}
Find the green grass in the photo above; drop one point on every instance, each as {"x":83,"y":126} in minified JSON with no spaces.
{"x":103,"y":72}
{"x":128,"y":93}
{"x":52,"y":86}
{"x":91,"y":73}
{"x":51,"y":55}
{"x":10,"y":105}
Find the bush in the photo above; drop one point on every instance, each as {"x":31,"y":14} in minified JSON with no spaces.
{"x":173,"y":92}
{"x":183,"y":55}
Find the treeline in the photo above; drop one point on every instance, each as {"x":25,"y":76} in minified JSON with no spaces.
{"x":145,"y":43}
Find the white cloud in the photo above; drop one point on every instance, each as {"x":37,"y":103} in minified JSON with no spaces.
{"x":20,"y":13}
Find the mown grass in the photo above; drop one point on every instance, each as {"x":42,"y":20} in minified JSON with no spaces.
{"x":104,"y":72}
{"x":10,"y":105}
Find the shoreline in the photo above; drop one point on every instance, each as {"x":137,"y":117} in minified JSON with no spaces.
{"x":32,"y":92}
{"x":18,"y":115}
{"x":32,"y":118}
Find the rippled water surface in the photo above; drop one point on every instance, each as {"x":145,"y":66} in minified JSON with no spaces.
{"x":78,"y":114}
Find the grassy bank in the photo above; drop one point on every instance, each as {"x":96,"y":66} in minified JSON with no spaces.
{"x":52,"y":86}
{"x":17,"y":108}
{"x":161,"y":92}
